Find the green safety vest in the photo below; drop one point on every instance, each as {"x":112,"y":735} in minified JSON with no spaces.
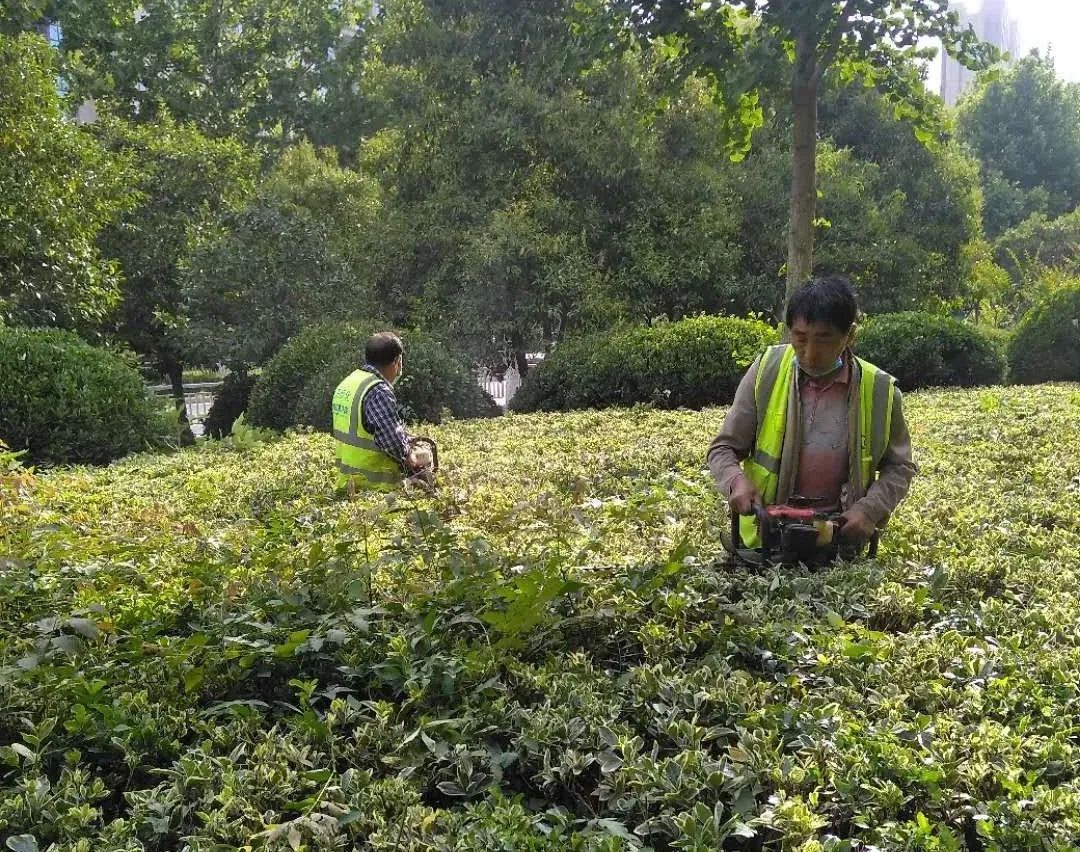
{"x":776,"y":373}
{"x":359,"y":460}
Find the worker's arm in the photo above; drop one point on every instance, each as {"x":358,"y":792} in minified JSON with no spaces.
{"x":895,"y":471}
{"x":736,"y":439}
{"x":381,"y":418}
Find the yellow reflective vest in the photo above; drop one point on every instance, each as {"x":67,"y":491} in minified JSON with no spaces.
{"x":360,"y":462}
{"x":772,"y":389}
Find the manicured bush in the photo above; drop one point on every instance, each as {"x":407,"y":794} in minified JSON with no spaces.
{"x":925,"y":350}
{"x":693,"y":363}
{"x":1046,"y":346}
{"x":64,"y":400}
{"x":230,"y":400}
{"x":295,"y":387}
{"x":275,"y":394}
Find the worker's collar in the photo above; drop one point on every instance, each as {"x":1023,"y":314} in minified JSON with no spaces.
{"x":371,"y":368}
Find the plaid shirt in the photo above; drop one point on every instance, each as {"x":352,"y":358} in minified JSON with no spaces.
{"x":380,"y":416}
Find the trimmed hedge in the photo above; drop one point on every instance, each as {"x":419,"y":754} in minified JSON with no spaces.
{"x":273,"y":398}
{"x":1046,"y":345}
{"x":65,"y":401}
{"x":926,"y":350}
{"x":691,"y":363}
{"x":295,"y":387}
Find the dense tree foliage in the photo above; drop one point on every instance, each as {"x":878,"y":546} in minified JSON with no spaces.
{"x":1024,"y":126}
{"x":263,"y":70}
{"x":746,"y":48}
{"x":58,"y":189}
{"x":496,"y":173}
{"x":182,"y":181}
{"x":296,"y":253}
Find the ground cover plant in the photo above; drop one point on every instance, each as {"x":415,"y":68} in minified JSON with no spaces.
{"x":207,"y":651}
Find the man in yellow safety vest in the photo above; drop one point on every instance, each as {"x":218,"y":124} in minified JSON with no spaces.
{"x":373,"y":449}
{"x":812,"y":423}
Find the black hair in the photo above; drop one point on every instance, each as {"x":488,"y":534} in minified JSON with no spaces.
{"x":382,"y":349}
{"x":830,"y":299}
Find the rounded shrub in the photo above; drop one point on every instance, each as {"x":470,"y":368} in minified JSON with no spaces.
{"x":230,"y":400}
{"x":689,"y":363}
{"x":926,"y":350}
{"x":274,"y":397}
{"x":1046,"y":345}
{"x":295,"y":387}
{"x":65,"y":401}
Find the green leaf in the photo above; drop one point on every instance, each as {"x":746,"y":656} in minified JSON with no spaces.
{"x":609,"y":761}
{"x":450,"y":788}
{"x":84,"y":627}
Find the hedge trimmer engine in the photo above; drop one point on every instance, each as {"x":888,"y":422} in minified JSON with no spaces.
{"x":790,"y":535}
{"x":426,"y":454}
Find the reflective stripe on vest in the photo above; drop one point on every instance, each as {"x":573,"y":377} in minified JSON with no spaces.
{"x":772,"y":390}
{"x":359,"y":459}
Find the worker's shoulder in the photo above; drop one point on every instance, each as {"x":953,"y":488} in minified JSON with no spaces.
{"x":885,"y":375}
{"x":350,"y":382}
{"x":770,"y":358}
{"x":381,"y":389}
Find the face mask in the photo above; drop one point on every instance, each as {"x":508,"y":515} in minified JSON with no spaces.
{"x":839,"y":363}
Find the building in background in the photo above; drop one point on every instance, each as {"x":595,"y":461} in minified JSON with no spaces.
{"x":85,"y":113}
{"x":993,"y":24}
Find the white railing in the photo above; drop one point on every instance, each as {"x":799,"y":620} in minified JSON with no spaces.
{"x":198,"y":399}
{"x":502,"y":390}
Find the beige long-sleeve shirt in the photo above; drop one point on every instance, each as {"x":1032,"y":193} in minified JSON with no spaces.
{"x":736,"y":441}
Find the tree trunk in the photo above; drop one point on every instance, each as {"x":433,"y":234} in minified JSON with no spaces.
{"x":521,"y":360}
{"x":175,"y":371}
{"x":800,"y":261}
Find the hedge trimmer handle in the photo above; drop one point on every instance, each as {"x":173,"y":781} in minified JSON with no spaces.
{"x":756,"y":511}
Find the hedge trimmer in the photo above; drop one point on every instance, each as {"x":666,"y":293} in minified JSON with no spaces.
{"x":792,"y":534}
{"x":425,"y":452}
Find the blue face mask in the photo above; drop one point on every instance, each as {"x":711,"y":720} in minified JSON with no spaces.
{"x":816,"y":375}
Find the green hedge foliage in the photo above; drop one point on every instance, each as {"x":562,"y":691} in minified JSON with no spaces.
{"x":65,"y":401}
{"x":691,"y":363}
{"x":926,"y":350}
{"x":1046,"y":345}
{"x":295,"y":387}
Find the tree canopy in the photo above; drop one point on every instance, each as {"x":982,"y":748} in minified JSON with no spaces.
{"x":1024,"y":126}
{"x":58,"y":189}
{"x":749,"y":47}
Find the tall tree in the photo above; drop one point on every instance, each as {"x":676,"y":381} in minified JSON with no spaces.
{"x":182,"y":180}
{"x":742,"y":46}
{"x":911,"y":245}
{"x":298,"y":251}
{"x":530,"y":188}
{"x":1024,"y":126}
{"x":58,"y":188}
